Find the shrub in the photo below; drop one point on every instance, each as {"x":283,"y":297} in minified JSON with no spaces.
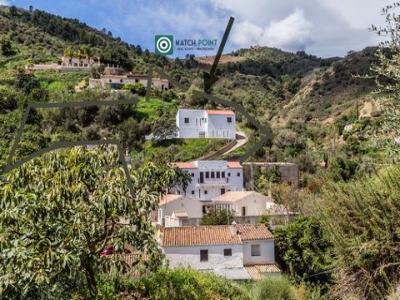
{"x":362,"y":219}
{"x":274,"y":289}
{"x":184,"y":284}
{"x":303,"y":251}
{"x":218,"y":217}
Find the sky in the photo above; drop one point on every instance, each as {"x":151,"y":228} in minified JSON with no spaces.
{"x":321,"y":27}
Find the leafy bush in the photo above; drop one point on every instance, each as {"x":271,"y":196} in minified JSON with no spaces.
{"x":303,"y":251}
{"x":342,"y":169}
{"x":185,"y":284}
{"x":274,"y":289}
{"x":218,"y":217}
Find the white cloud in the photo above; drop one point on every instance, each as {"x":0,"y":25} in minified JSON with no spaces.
{"x":4,"y":2}
{"x":290,"y":33}
{"x":246,"y":33}
{"x":322,"y":27}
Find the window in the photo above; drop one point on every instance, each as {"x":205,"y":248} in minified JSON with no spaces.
{"x":222,"y":191}
{"x":203,"y":255}
{"x":205,"y":192}
{"x":229,"y":119}
{"x":227,"y":252}
{"x":238,"y":174}
{"x":255,"y":250}
{"x":243,"y":211}
{"x":186,"y":120}
{"x":218,"y":175}
{"x":192,"y":174}
{"x":229,"y":174}
{"x":121,"y":80}
{"x":223,"y":174}
{"x":207,"y":174}
{"x":212,"y":175}
{"x":192,"y":192}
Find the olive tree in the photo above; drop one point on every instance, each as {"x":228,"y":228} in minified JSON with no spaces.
{"x":59,"y":211}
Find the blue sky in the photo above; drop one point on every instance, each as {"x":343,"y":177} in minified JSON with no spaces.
{"x":321,"y":27}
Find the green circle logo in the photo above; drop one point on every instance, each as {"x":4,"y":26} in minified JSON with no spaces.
{"x":164,"y":44}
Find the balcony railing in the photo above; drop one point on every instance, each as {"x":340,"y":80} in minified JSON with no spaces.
{"x":213,"y":181}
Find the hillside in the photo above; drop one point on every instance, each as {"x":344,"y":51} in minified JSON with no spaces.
{"x":305,"y":99}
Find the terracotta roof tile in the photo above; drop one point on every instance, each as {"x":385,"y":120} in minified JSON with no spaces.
{"x":234,"y":165}
{"x":186,"y":165}
{"x":200,"y":235}
{"x":253,"y":232}
{"x":220,"y":112}
{"x":213,"y":235}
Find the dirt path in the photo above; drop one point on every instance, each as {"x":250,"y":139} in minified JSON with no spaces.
{"x":240,"y":140}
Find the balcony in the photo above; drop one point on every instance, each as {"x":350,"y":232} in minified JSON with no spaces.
{"x":213,"y":182}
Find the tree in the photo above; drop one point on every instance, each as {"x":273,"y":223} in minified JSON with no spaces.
{"x":303,"y":251}
{"x":26,"y":82}
{"x":218,"y":217}
{"x":58,"y":212}
{"x":135,"y":88}
{"x":342,"y":168}
{"x":6,"y":47}
{"x":68,"y":52}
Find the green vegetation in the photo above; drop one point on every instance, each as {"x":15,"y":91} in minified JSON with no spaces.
{"x":218,"y":217}
{"x":362,"y":221}
{"x":324,"y":117}
{"x":303,"y":251}
{"x":58,"y":212}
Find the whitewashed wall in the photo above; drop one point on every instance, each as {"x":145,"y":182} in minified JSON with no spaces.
{"x":196,"y":123}
{"x":267,"y":252}
{"x":231,"y":182}
{"x":218,"y":127}
{"x":192,"y":206}
{"x":190,"y":257}
{"x":255,"y":205}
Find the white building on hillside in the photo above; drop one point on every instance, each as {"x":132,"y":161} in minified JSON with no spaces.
{"x":117,"y":82}
{"x":194,"y":124}
{"x":240,"y":251}
{"x":211,"y":178}
{"x":247,"y":206}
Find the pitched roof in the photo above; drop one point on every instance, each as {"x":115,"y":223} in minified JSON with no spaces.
{"x":220,"y":112}
{"x":234,"y":196}
{"x":213,"y":235}
{"x":169,"y":198}
{"x":234,"y":165}
{"x":201,"y":235}
{"x":193,"y":165}
{"x":250,"y":232}
{"x":185,"y":165}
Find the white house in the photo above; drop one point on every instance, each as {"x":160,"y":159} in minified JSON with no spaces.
{"x":178,"y":210}
{"x":210,"y":178}
{"x":117,"y":81}
{"x":241,"y":251}
{"x":193,"y":124}
{"x":247,"y":206}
